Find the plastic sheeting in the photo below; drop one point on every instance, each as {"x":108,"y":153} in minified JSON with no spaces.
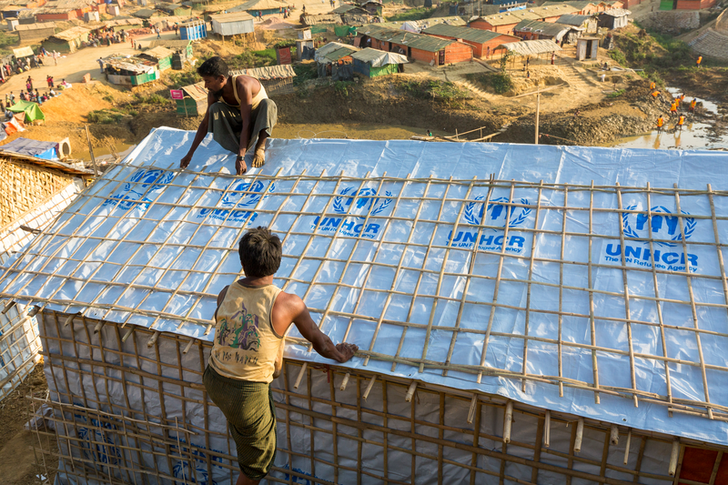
{"x":174,"y":204}
{"x":46,"y":150}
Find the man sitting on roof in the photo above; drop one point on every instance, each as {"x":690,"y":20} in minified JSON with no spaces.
{"x":252,"y":319}
{"x":238,"y":111}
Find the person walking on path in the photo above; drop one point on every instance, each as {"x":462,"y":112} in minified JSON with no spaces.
{"x":693,"y":103}
{"x":251,"y":321}
{"x":101,"y":64}
{"x":681,"y":122}
{"x":29,"y":83}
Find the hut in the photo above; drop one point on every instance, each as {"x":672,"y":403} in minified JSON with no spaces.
{"x":555,"y":324}
{"x":64,"y":10}
{"x":175,"y":9}
{"x":587,"y":48}
{"x":130,"y":71}
{"x":67,"y":41}
{"x":159,"y":55}
{"x":504,"y":22}
{"x":420,"y":47}
{"x":482,"y":41}
{"x":586,"y":7}
{"x":193,"y":30}
{"x":232,"y":24}
{"x":334,"y":59}
{"x":529,"y":48}
{"x":33,"y":192}
{"x":615,"y":18}
{"x":194,"y":101}
{"x":265,"y":7}
{"x":23,"y":52}
{"x":145,"y":13}
{"x":275,"y":79}
{"x":374,"y":63}
{"x":373,"y":7}
{"x":537,"y":29}
{"x":588,"y":23}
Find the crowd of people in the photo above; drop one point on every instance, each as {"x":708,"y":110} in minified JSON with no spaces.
{"x":106,"y":36}
{"x":32,"y":94}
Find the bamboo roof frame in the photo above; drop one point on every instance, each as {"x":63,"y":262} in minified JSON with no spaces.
{"x":321,"y":188}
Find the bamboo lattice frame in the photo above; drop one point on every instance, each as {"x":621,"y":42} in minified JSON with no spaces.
{"x":298,"y":198}
{"x":365,"y":433}
{"x":19,"y":346}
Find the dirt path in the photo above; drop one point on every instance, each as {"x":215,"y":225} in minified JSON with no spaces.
{"x":72,"y":67}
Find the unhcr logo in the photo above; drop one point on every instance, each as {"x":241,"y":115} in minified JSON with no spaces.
{"x":235,"y":201}
{"x":661,"y":224}
{"x":351,"y":221}
{"x":497,"y":214}
{"x":140,"y":183}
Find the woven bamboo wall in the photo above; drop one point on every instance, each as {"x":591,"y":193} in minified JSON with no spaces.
{"x":23,"y":186}
{"x":130,"y":408}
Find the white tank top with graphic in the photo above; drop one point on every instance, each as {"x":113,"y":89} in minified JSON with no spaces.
{"x":246,"y":345}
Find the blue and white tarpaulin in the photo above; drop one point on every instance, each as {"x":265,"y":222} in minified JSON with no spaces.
{"x":595,"y":273}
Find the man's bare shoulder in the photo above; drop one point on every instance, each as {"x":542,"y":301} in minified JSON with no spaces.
{"x":289,"y":302}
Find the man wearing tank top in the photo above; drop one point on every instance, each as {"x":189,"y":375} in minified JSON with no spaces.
{"x":238,"y":112}
{"x":252,"y":319}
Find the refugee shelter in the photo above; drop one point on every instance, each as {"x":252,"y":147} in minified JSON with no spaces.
{"x":529,"y":48}
{"x":35,"y":32}
{"x":30,"y":110}
{"x":275,"y":79}
{"x":586,"y":7}
{"x":559,"y":321}
{"x":232,"y":24}
{"x":265,"y":7}
{"x":23,"y":52}
{"x":145,"y":13}
{"x":536,"y":29}
{"x":615,"y":18}
{"x":32,"y":192}
{"x":194,"y":102}
{"x":193,"y":30}
{"x":588,"y":23}
{"x":130,"y":71}
{"x":482,"y":41}
{"x":420,"y":47}
{"x":334,"y":59}
{"x":373,"y":63}
{"x":46,"y":150}
{"x":68,"y":41}
{"x":159,"y":55}
{"x":175,"y":9}
{"x":504,"y":22}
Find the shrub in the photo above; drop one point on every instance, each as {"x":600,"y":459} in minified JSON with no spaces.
{"x":341,"y":88}
{"x":417,"y":13}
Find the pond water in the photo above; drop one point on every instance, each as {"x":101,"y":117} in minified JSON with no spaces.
{"x":692,"y":136}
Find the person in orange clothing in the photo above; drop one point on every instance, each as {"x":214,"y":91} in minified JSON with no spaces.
{"x":673,"y":108}
{"x":660,"y":123}
{"x":653,"y":86}
{"x":682,"y":98}
{"x":693,"y":103}
{"x":681,"y":121}
{"x":700,"y":59}
{"x":655,"y":94}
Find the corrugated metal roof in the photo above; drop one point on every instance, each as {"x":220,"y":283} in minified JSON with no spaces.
{"x":257,"y":5}
{"x":36,"y":26}
{"x":158,"y":53}
{"x":379,"y":58}
{"x":573,"y":19}
{"x":267,"y":73}
{"x":333,"y":51}
{"x":326,"y":18}
{"x":543,"y":28}
{"x":465,"y":33}
{"x":231,"y":17}
{"x":71,"y":34}
{"x":410,"y":39}
{"x":346,"y":8}
{"x":531,"y":47}
{"x":616,"y":12}
{"x":536,"y":13}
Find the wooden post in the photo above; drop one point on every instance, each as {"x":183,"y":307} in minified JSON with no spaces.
{"x":547,"y":430}
{"x":507,"y":420}
{"x":626,"y":448}
{"x":614,"y":435}
{"x":91,"y":151}
{"x":538,"y":106}
{"x":579,"y":435}
{"x":673,"y":458}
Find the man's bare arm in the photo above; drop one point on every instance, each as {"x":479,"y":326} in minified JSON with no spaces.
{"x":300,"y":316}
{"x":200,"y":135}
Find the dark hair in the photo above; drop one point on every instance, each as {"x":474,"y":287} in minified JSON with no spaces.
{"x":260,"y":252}
{"x":214,"y":66}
